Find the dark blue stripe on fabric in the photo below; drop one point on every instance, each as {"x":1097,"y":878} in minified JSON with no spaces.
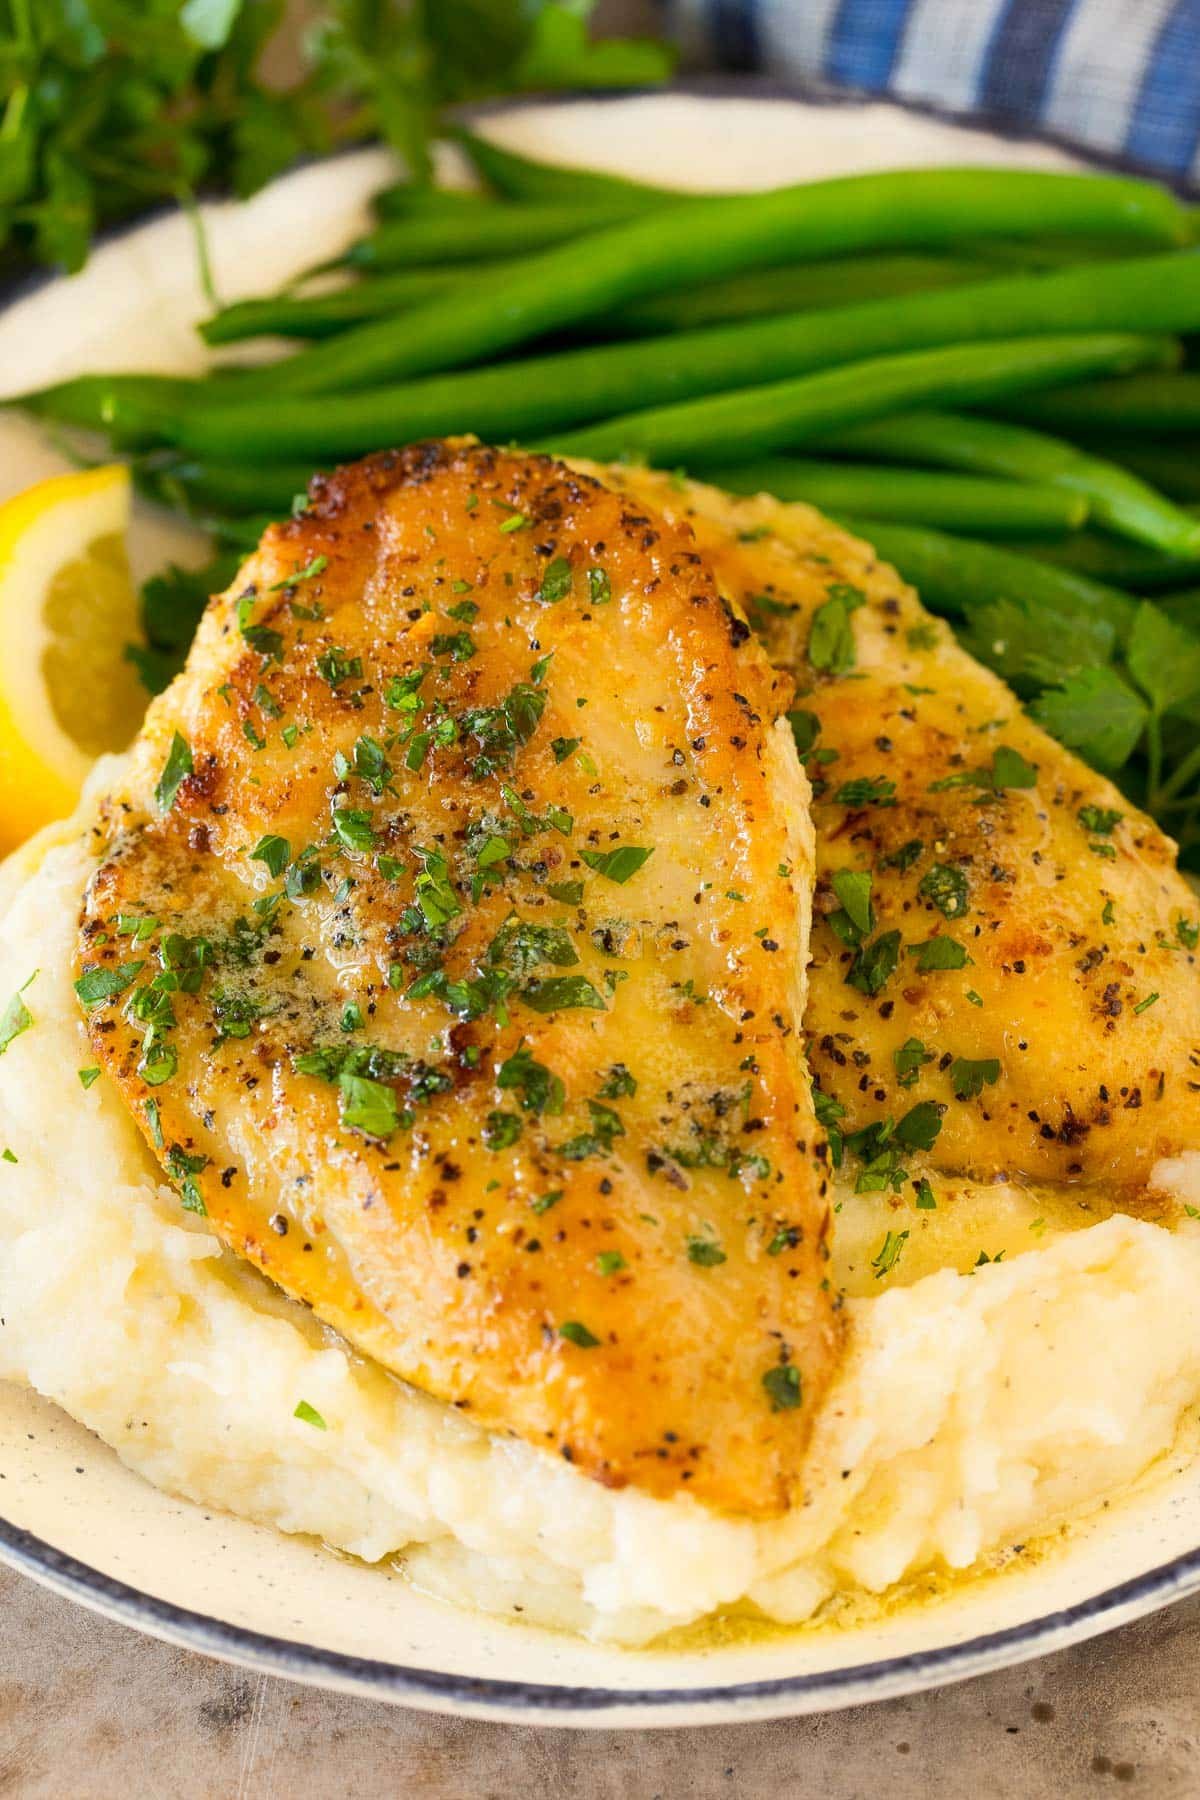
{"x":1020,"y":56}
{"x":1164,"y":128}
{"x":864,"y":40}
{"x":733,"y":27}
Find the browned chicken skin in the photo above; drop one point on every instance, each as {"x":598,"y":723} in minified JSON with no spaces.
{"x":1057,"y":1020}
{"x":456,"y":971}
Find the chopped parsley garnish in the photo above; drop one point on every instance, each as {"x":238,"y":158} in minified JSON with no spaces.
{"x":152,"y":1119}
{"x":968,"y":1079}
{"x":1143,"y":1005}
{"x":183,"y":1169}
{"x":402,"y":692}
{"x":369,"y":763}
{"x":87,"y":1077}
{"x":853,"y":889}
{"x":904,"y":857}
{"x":352,"y":829}
{"x":563,"y":746}
{"x":705,"y":1252}
{"x":617,"y":1084}
{"x":619,"y":864}
{"x":567,"y":893}
{"x":599,"y":587}
{"x":926,"y":1199}
{"x":606,"y":1127}
{"x":544,"y":1202}
{"x":275,"y":853}
{"x":522,"y":946}
{"x":368,"y":1106}
{"x":335,"y":667}
{"x":919,"y":1128}
{"x":556,"y":581}
{"x":889,"y":1253}
{"x":95,"y":986}
{"x":1100,"y":819}
{"x":571,"y":1329}
{"x":610,"y":1262}
{"x":946,"y":888}
{"x":831,"y":638}
{"x":316,"y":567}
{"x":1010,"y":770}
{"x":938,"y":953}
{"x":866,"y":790}
{"x":1187,"y":931}
{"x":500,"y":730}
{"x":909,"y":1060}
{"x":308,"y":1415}
{"x":784,"y":1388}
{"x":459,"y":646}
{"x":263,"y":639}
{"x":16,"y":1016}
{"x":538,"y":1089}
{"x":500,"y":1129}
{"x":176,"y":770}
{"x":874,"y":963}
{"x":557,"y":993}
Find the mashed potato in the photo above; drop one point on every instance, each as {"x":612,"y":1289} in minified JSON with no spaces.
{"x":971,"y":1410}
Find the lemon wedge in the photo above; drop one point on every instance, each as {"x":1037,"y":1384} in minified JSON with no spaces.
{"x":68,"y":607}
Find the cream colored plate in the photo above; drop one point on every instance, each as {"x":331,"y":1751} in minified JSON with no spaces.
{"x":74,"y":1518}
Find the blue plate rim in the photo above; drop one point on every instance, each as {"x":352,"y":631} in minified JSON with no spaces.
{"x":546,"y":1703}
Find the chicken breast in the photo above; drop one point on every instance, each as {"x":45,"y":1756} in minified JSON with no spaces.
{"x":448,"y":945}
{"x":1002,"y":941}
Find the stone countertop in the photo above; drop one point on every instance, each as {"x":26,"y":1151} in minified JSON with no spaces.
{"x":92,"y":1710}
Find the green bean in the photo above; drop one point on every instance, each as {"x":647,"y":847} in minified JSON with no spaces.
{"x":956,"y":575}
{"x":1155,"y":404}
{"x":135,"y":411}
{"x":799,"y":287}
{"x":756,"y":421}
{"x":230,"y":489}
{"x":916,"y":496}
{"x":299,"y":315}
{"x":482,"y":235}
{"x":521,"y":178}
{"x":1117,"y":562}
{"x":1119,"y":500}
{"x":705,"y":240}
{"x":410,"y":199}
{"x":539,"y":395}
{"x":1173,"y":468}
{"x":324,"y":315}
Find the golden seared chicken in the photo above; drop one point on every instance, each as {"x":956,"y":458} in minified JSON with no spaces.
{"x":448,"y":946}
{"x":1004,"y":955}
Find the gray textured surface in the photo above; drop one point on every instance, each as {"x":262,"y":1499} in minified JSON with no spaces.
{"x":91,"y":1710}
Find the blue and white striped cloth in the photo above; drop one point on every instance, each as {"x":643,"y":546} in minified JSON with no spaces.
{"x":1117,"y":76}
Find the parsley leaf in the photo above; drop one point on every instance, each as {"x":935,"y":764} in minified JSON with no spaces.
{"x":619,"y":864}
{"x":784,"y":1387}
{"x":968,"y":1079}
{"x":16,"y":1016}
{"x":1096,"y":713}
{"x":176,"y":770}
{"x":874,"y":963}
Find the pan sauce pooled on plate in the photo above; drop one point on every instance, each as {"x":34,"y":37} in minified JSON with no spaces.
{"x":305,"y":1094}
